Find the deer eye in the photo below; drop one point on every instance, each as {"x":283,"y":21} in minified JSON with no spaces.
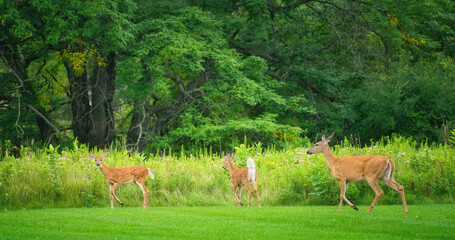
{"x":316,"y":145}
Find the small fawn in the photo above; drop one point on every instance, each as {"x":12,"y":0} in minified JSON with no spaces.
{"x":117,"y":176}
{"x":243,"y":176}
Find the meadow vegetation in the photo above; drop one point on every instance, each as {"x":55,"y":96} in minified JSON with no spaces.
{"x":68,"y":177}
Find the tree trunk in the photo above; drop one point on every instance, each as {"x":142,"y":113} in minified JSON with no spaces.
{"x":46,"y":131}
{"x":92,"y":104}
{"x":80,"y":104}
{"x":102,"y":115}
{"x":136,"y":138}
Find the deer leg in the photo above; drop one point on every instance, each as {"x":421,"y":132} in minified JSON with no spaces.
{"x":145,"y":193}
{"x":256,"y":191}
{"x":111,"y":197}
{"x":397,"y":187}
{"x":377,"y":190}
{"x":342,"y":191}
{"x":341,"y":199}
{"x":341,"y":204}
{"x":239,"y":194}
{"x":113,"y":187}
{"x":235,"y":195}
{"x":250,"y":192}
{"x":146,"y":197}
{"x":343,"y":187}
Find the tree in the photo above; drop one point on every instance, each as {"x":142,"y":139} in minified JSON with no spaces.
{"x":190,"y":73}
{"x":26,"y":36}
{"x":182,"y":67}
{"x":326,"y":53}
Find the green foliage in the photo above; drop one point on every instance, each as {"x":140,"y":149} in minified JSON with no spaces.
{"x":273,"y":71}
{"x":191,"y":46}
{"x":230,"y":133}
{"x":413,"y":100}
{"x":452,"y":137}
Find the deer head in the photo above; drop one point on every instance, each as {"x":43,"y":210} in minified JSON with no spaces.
{"x":321,"y":145}
{"x":98,"y":160}
{"x":228,"y":161}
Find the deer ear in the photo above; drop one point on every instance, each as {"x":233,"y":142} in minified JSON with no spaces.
{"x":233,"y":157}
{"x":92,"y":156}
{"x":104,"y":155}
{"x":330,"y":138}
{"x":323,"y":138}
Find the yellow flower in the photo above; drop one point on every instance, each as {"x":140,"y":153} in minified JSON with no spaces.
{"x":392,"y":19}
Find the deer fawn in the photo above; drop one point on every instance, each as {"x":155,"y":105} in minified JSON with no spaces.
{"x":243,"y":176}
{"x":359,"y":168}
{"x":117,"y":176}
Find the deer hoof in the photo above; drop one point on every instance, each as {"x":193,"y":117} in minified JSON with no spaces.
{"x":355,"y":207}
{"x":241,"y":203}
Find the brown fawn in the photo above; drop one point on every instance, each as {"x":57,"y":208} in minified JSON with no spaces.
{"x":243,"y":176}
{"x":117,"y":176}
{"x":359,"y":168}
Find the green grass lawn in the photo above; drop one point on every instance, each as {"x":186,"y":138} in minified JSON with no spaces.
{"x":306,"y":222}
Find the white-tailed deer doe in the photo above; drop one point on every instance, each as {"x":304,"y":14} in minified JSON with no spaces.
{"x":117,"y":176}
{"x":359,"y":168}
{"x":243,"y":176}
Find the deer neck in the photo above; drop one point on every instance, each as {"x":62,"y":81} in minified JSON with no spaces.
{"x":231,"y":168}
{"x":329,"y":157}
{"x":104,"y":169}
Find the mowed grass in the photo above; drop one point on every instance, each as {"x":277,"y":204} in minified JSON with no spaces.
{"x":226,"y":222}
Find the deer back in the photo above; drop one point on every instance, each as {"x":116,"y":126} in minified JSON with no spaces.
{"x":355,"y":168}
{"x":126,"y":174}
{"x":238,"y":175}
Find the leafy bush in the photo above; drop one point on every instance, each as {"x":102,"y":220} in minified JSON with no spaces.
{"x":452,"y":137}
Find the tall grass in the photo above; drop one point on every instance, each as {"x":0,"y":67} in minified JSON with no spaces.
{"x":69,"y":178}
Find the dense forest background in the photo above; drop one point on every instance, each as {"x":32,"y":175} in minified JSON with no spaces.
{"x":215,"y":73}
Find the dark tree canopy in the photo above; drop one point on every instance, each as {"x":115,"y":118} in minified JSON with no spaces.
{"x":173,"y":74}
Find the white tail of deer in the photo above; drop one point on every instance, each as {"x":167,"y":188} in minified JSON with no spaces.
{"x":243,"y":176}
{"x":117,"y":176}
{"x":358,"y":168}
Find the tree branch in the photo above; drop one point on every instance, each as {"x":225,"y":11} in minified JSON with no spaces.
{"x":44,"y":118}
{"x":61,"y":85}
